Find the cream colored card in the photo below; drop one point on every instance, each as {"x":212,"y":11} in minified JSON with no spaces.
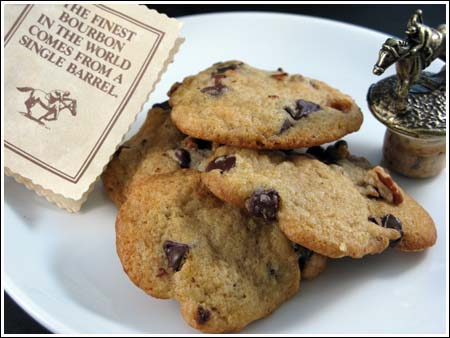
{"x":75,"y":76}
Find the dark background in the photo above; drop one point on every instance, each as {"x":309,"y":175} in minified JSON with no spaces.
{"x":390,"y":19}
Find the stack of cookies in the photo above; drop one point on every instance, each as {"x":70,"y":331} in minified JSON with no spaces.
{"x":227,"y":199}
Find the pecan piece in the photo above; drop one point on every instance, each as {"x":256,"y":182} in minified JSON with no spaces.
{"x":384,"y":184}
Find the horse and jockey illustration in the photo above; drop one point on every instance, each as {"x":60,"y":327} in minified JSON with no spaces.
{"x":53,"y":103}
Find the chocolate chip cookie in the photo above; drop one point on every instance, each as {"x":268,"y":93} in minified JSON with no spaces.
{"x":177,"y":240}
{"x":235,"y":104}
{"x":159,"y":147}
{"x":320,"y":204}
{"x":389,"y":205}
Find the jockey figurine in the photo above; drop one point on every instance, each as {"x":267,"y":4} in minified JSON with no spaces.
{"x":422,"y":38}
{"x":418,"y":35}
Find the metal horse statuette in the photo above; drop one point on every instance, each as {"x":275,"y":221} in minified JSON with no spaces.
{"x":421,"y":46}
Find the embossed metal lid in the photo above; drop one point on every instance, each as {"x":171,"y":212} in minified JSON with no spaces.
{"x":425,"y":115}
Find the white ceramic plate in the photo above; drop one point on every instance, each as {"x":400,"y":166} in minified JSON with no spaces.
{"x":63,"y":268}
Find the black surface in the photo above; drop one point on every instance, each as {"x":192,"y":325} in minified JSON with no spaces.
{"x":18,"y":321}
{"x":385,"y":18}
{"x":390,"y":19}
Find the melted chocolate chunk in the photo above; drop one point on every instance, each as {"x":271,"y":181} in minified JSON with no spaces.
{"x":202,"y":144}
{"x":163,"y":105}
{"x":218,"y":88}
{"x":302,"y":109}
{"x":215,"y":90}
{"x":119,"y":150}
{"x":306,"y":107}
{"x":317,"y":151}
{"x":290,"y":152}
{"x":391,"y":222}
{"x":224,"y":163}
{"x":290,"y":111}
{"x":342,"y":145}
{"x":222,"y":70}
{"x":304,"y":255}
{"x":336,"y":152}
{"x":184,"y":157}
{"x":203,"y":315}
{"x":175,"y":253}
{"x":286,"y":125}
{"x":332,"y":154}
{"x":264,"y":204}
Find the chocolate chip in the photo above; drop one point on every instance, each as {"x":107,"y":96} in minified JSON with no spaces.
{"x":119,"y":150}
{"x":184,"y":157}
{"x":332,"y":154}
{"x":203,"y":315}
{"x":392,"y":222}
{"x":304,"y":255}
{"x":175,"y":253}
{"x":307,"y":107}
{"x":279,"y":69}
{"x":336,"y":152}
{"x":163,"y":105}
{"x":264,"y":203}
{"x":342,"y":145}
{"x":290,"y":152}
{"x":302,"y":109}
{"x":286,"y":125}
{"x":218,"y":77}
{"x":290,"y":111}
{"x":221,"y":70}
{"x":317,"y":151}
{"x":202,"y":144}
{"x":218,"y":88}
{"x":215,"y":90}
{"x":224,"y":163}
{"x":174,"y":87}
